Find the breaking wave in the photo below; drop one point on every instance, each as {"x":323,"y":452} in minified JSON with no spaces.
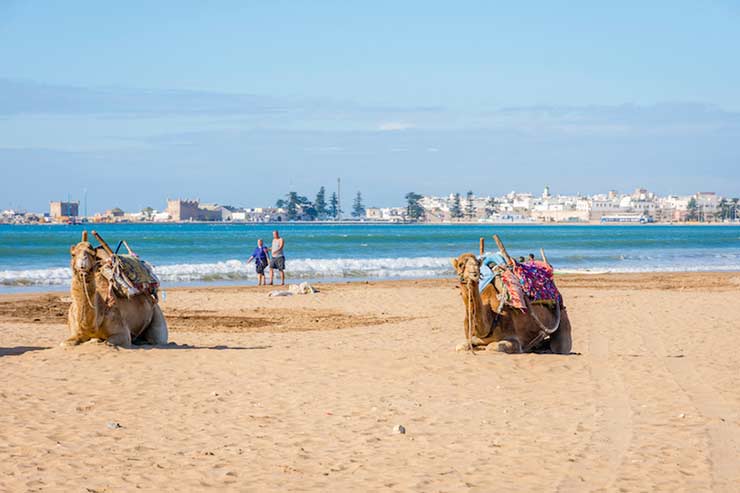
{"x":235,"y":270}
{"x":351,"y":268}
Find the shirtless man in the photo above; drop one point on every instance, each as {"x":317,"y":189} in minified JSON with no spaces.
{"x":278,"y":258}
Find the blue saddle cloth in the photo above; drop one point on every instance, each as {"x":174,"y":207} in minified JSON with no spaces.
{"x":486,"y":274}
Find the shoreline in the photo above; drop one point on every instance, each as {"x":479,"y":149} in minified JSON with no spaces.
{"x":596,"y":280}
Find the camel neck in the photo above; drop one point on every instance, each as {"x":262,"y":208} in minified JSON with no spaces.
{"x":475,"y":306}
{"x":80,"y":293}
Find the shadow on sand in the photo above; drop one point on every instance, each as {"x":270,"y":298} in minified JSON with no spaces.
{"x":219,"y":347}
{"x":18,"y":350}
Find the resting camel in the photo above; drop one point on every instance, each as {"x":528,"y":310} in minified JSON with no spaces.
{"x":119,"y":323}
{"x":509,"y":329}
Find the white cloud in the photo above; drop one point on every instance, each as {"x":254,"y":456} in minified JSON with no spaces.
{"x":394,"y":126}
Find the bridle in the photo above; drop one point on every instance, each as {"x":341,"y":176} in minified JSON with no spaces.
{"x":82,"y":274}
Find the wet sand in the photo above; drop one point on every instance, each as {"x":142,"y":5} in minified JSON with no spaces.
{"x":302,"y":393}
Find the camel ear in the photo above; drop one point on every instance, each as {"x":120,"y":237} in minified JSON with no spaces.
{"x":72,"y":249}
{"x":84,"y":236}
{"x":453,"y":261}
{"x":480,"y":262}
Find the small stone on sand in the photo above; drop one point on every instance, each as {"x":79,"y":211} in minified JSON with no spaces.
{"x":399,"y":430}
{"x":113,"y":425}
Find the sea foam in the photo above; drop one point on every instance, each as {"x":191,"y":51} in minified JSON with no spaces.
{"x":349,"y":268}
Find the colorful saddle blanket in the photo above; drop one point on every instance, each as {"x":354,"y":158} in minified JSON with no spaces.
{"x":130,"y":276}
{"x":537,"y":281}
{"x":531,"y":280}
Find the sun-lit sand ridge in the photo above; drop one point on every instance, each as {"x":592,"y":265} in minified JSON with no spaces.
{"x":301,"y":393}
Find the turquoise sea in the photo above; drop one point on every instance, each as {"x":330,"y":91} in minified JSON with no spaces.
{"x":37,"y":256}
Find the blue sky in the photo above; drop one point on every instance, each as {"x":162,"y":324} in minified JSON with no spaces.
{"x":237,"y":102}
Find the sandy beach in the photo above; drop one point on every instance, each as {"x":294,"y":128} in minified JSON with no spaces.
{"x":302,"y":394}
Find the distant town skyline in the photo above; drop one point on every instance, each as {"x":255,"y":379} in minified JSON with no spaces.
{"x":241,"y":102}
{"x":639,"y":205}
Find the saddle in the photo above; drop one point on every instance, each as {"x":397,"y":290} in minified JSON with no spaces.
{"x":130,"y":276}
{"x":127,"y":274}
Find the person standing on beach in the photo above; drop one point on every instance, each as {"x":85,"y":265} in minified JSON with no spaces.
{"x":278,"y":258}
{"x":260,"y":257}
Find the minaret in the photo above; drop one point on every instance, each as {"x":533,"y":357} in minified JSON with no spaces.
{"x":546,"y":192}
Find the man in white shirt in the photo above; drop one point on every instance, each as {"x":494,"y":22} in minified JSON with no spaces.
{"x":278,"y":258}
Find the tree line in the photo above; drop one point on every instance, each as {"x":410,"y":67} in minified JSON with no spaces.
{"x":300,"y":207}
{"x":728,"y":210}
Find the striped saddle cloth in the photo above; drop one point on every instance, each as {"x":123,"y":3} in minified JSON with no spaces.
{"x":130,"y":276}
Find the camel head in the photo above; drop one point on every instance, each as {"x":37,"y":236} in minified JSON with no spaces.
{"x":467,"y":267}
{"x":83,"y":256}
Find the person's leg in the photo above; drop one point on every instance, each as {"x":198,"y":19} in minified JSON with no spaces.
{"x":272,"y":272}
{"x":282,"y":278}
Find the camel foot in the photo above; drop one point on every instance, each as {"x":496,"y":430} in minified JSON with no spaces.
{"x":122,"y":339}
{"x":509,"y":347}
{"x":463,"y":346}
{"x":70,"y":342}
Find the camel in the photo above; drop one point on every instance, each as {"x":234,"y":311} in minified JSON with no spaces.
{"x":500,"y":327}
{"x":91,"y":316}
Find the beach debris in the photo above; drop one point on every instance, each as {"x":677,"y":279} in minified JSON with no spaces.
{"x":274,"y":294}
{"x":112,"y":425}
{"x":302,"y":288}
{"x":399,"y":430}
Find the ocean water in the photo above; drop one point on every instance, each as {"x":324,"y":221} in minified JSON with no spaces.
{"x":37,"y":256}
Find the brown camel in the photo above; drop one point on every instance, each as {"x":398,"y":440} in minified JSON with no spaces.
{"x":91,"y":317}
{"x":488,"y":321}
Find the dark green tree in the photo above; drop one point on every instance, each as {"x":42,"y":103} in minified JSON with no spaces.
{"x":334,"y":210}
{"x":358,"y":209}
{"x":291,"y":206}
{"x":469,"y":205}
{"x":414,"y":209}
{"x":455,"y":209}
{"x":491,"y":205}
{"x":725,"y":209}
{"x":692,"y":210}
{"x":320,"y":203}
{"x":306,"y":208}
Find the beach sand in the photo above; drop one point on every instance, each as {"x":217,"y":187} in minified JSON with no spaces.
{"x":302,"y":393}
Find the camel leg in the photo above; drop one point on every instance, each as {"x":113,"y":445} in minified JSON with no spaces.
{"x":465,"y":346}
{"x":122,"y":338}
{"x":156,"y":332}
{"x":75,"y":337}
{"x":561,"y":341}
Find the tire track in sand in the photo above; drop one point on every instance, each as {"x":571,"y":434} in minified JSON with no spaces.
{"x":596,"y":467}
{"x":722,"y":425}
